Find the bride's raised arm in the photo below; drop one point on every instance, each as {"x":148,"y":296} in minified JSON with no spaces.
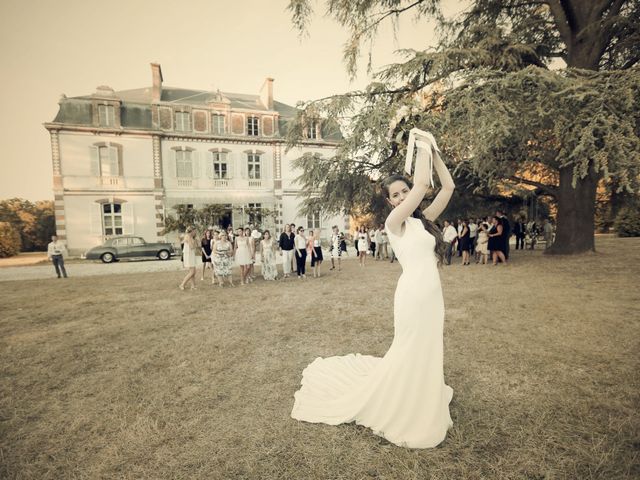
{"x":413,"y":198}
{"x":435,"y":209}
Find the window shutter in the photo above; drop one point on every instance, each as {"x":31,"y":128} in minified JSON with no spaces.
{"x":128,"y":220}
{"x":95,"y":161}
{"x":174,"y":163}
{"x":230,"y":164}
{"x":243,"y":166}
{"x":113,"y":160}
{"x":195,"y":163}
{"x":266,"y":162}
{"x":209,"y":166}
{"x":95,"y":219}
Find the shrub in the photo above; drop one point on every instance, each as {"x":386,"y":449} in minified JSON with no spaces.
{"x":627,"y":222}
{"x":10,"y":243}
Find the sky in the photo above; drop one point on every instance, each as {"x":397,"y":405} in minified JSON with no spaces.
{"x":71,"y":46}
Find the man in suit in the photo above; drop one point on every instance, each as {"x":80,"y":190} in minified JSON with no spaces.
{"x":520,"y":231}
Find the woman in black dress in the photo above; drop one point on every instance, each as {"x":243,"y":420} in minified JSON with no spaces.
{"x":205,"y":245}
{"x":465,"y":242}
{"x":496,"y":243}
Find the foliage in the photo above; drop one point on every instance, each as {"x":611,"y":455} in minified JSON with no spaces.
{"x":504,"y":119}
{"x":209,"y":216}
{"x":627,"y":223}
{"x":34,"y":222}
{"x":10,"y":243}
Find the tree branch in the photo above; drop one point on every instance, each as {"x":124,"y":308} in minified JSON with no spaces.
{"x":566,"y":32}
{"x":552,"y":190}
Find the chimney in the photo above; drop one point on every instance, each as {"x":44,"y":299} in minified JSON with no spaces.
{"x":266,"y":93}
{"x":156,"y":75}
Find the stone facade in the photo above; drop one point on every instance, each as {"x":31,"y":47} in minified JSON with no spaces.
{"x":122,"y":160}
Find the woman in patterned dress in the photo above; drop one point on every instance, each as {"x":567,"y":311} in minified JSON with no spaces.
{"x":268,"y":256}
{"x":222,"y":251}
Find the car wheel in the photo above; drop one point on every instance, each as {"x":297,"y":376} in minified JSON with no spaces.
{"x":107,"y":257}
{"x":164,"y":255}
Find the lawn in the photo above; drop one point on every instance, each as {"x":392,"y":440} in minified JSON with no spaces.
{"x":125,"y":376}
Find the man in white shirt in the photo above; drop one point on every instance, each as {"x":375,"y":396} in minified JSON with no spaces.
{"x":380,"y":243}
{"x":449,"y":235}
{"x":56,"y":252}
{"x":473,"y":234}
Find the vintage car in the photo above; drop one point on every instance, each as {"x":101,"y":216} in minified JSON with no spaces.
{"x":129,"y":247}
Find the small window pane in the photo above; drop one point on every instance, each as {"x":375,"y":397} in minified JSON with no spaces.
{"x":108,"y":231}
{"x":117,"y":208}
{"x":106,"y":208}
{"x":118,"y":231}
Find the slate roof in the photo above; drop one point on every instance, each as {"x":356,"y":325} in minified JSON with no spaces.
{"x":136,"y":108}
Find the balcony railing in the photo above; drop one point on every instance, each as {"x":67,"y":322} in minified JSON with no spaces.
{"x":185,"y":182}
{"x":221,"y":182}
{"x":111,"y":181}
{"x":253,"y":183}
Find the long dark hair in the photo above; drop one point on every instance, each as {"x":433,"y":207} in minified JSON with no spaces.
{"x":429,"y":226}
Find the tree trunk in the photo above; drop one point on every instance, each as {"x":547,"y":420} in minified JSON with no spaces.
{"x":576,"y":214}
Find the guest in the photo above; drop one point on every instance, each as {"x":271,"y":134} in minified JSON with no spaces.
{"x":286,"y":244}
{"x":315,"y":249}
{"x":532,"y":233}
{"x":520,"y":232}
{"x":372,"y":241}
{"x":301,"y":252}
{"x":506,"y":232}
{"x":230,"y":234}
{"x":244,"y":255}
{"x":547,"y":229}
{"x":464,"y":241}
{"x":363,"y":244}
{"x":379,"y":242}
{"x":473,"y":233}
{"x":189,"y":258}
{"x":449,"y":236}
{"x":293,"y":259}
{"x":496,"y":241}
{"x":222,"y":252}
{"x":205,"y":247}
{"x":459,"y":229}
{"x":482,"y":248}
{"x":335,"y":248}
{"x":268,"y":256}
{"x":56,"y":251}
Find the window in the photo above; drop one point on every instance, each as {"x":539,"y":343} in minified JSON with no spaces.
{"x":253,"y":166}
{"x":312,"y":131}
{"x":108,"y":158}
{"x":217,"y":124}
{"x":220,"y":169}
{"x":313,"y":220}
{"x":106,"y":115}
{"x":255,"y":213}
{"x":184,"y":164}
{"x":252,"y":126}
{"x":182,"y":121}
{"x":112,"y":218}
{"x":136,"y":241}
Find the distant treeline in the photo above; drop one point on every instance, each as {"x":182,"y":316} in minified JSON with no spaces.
{"x":25,"y":226}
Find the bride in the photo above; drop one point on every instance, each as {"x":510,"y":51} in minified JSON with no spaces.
{"x":401,"y":396}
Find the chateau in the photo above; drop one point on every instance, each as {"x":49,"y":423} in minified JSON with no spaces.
{"x":122,"y":160}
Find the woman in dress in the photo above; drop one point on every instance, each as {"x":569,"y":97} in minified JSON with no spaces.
{"x":401,"y":396}
{"x":363,"y":244}
{"x":496,"y":241}
{"x":268,"y":256}
{"x":315,"y":250}
{"x":300,"y":244}
{"x":189,"y":251}
{"x":483,"y":239}
{"x":243,"y":255}
{"x":205,"y":246}
{"x":465,"y":242}
{"x":222,"y":251}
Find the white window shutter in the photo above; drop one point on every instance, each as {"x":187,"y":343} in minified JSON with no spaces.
{"x":95,"y":161}
{"x":113,"y":160}
{"x":230,"y":164}
{"x":128,"y":220}
{"x":195,"y":163}
{"x":174,"y":163}
{"x":95,"y":220}
{"x":243,"y":166}
{"x":209,"y":166}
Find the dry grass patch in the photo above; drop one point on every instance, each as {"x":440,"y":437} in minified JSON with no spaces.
{"x":127,"y":377}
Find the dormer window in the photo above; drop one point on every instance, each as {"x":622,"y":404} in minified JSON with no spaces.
{"x":312,"y":130}
{"x":252,"y":126}
{"x":106,"y":115}
{"x":183,"y":121}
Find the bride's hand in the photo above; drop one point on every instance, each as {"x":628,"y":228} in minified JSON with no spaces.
{"x":422,"y":171}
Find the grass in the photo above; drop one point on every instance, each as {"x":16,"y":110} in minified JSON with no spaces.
{"x":127,"y":377}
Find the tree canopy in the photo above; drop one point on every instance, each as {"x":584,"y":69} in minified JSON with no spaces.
{"x":505,"y":114}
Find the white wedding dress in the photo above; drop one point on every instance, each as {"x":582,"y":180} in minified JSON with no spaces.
{"x":401,"y":396}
